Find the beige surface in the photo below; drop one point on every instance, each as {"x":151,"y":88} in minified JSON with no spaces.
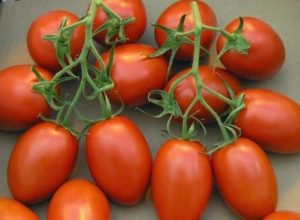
{"x":284,"y":16}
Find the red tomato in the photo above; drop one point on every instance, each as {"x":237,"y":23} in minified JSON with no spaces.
{"x":134,"y":74}
{"x":271,"y":120}
{"x":245,"y":179}
{"x":13,"y":210}
{"x":125,"y":9}
{"x":40,"y":162}
{"x":20,"y":106}
{"x":78,"y":199}
{"x":185,"y":91}
{"x":181,"y":180}
{"x":123,"y":169}
{"x":42,"y":51}
{"x":265,"y":56}
{"x":171,"y":17}
{"x":283,"y":215}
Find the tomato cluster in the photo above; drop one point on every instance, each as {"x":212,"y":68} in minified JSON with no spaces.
{"x":183,"y":173}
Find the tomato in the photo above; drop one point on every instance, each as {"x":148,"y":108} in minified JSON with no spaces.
{"x":185,"y":91}
{"x":42,"y":51}
{"x":134,"y":74}
{"x":283,"y":215}
{"x":78,"y":199}
{"x":171,"y":17}
{"x":265,"y":56}
{"x":12,"y":209}
{"x":20,"y":106}
{"x":119,"y":159}
{"x":245,"y":179}
{"x":40,"y":162}
{"x":125,"y":9}
{"x":271,"y":120}
{"x":181,"y":182}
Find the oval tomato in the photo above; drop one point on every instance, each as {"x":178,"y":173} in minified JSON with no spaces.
{"x":20,"y":106}
{"x":171,"y":17}
{"x":119,"y":159}
{"x":12,"y":209}
{"x":265,"y":56}
{"x":185,"y":91}
{"x":271,"y":120}
{"x":134,"y":74}
{"x":78,"y":199}
{"x":245,"y":179}
{"x":283,"y":215}
{"x":125,"y":9}
{"x":42,"y":51}
{"x":40,"y":162}
{"x":181,"y":180}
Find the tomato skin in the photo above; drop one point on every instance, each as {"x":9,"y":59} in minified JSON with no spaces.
{"x":171,"y":18}
{"x":271,"y":120}
{"x":42,"y":51}
{"x":126,"y":9}
{"x":78,"y":199}
{"x":283,"y":215}
{"x":181,"y":182}
{"x":185,"y":91}
{"x":245,"y":179}
{"x":20,"y":106}
{"x":265,"y":56}
{"x":40,"y":162}
{"x":119,"y":145}
{"x":12,"y":209}
{"x":134,"y":74}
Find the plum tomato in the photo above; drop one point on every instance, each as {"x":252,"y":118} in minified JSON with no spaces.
{"x":270,"y":119}
{"x":265,"y":56}
{"x":283,"y":215}
{"x":119,"y":159}
{"x":42,"y":160}
{"x":245,"y":178}
{"x":20,"y":106}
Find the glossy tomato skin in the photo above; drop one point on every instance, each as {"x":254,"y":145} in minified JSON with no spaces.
{"x":119,"y":159}
{"x":245,"y":179}
{"x":265,"y":56}
{"x":171,"y":18}
{"x":271,"y":120}
{"x":42,"y":51}
{"x":40,"y":162}
{"x":78,"y":199}
{"x":20,"y":106}
{"x":283,"y":215}
{"x":11,"y":209}
{"x":125,"y":9}
{"x":181,"y":180}
{"x":185,"y":91}
{"x":134,"y":74}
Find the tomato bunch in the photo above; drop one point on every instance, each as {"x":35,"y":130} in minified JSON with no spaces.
{"x":100,"y":55}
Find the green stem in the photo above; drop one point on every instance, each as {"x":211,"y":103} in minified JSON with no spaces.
{"x":226,"y":34}
{"x":219,"y":95}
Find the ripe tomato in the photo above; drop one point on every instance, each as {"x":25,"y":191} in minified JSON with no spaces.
{"x":271,"y":120}
{"x":125,"y":9}
{"x":12,"y":209}
{"x":134,"y":74}
{"x":245,"y":179}
{"x":185,"y":91}
{"x":265,"y":56}
{"x":181,"y":180}
{"x":171,"y":17}
{"x":283,"y":215}
{"x":78,"y":199}
{"x":42,"y":51}
{"x":20,"y":106}
{"x":40,"y":162}
{"x":119,"y":159}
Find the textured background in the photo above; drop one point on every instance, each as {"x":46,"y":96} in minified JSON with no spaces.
{"x":284,"y":16}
